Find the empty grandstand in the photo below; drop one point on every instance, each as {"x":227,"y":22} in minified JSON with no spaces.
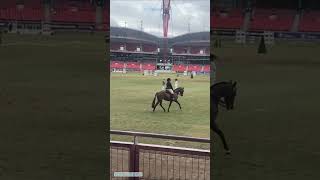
{"x":43,"y":16}
{"x":247,"y":19}
{"x":133,"y":50}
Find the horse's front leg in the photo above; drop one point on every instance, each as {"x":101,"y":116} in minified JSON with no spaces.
{"x":169,"y":106}
{"x":217,"y":130}
{"x":178,"y":103}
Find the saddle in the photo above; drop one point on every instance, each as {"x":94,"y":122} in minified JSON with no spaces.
{"x":169,"y":94}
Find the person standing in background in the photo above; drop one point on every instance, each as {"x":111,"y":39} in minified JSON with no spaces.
{"x":163,"y":84}
{"x":176,"y":84}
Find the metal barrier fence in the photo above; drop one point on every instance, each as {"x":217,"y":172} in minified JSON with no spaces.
{"x":157,"y":161}
{"x":243,"y":37}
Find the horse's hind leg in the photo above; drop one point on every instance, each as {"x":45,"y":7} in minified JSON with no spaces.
{"x":155,"y":105}
{"x":169,"y":106}
{"x":162,"y":106}
{"x":217,"y":130}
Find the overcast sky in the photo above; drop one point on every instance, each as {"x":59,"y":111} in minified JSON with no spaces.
{"x":130,"y":13}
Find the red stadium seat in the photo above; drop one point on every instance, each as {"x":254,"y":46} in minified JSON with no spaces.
{"x":117,"y":65}
{"x":310,"y":22}
{"x":179,"y":68}
{"x":232,"y":19}
{"x":272,"y":20}
{"x":133,"y":65}
{"x":74,"y":12}
{"x":206,"y":68}
{"x":148,"y":66}
{"x":196,"y":68}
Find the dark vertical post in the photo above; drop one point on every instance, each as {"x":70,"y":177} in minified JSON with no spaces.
{"x":134,"y":159}
{"x":300,"y":4}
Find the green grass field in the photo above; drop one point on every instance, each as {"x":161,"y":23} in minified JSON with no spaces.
{"x":52,"y":107}
{"x":274,"y":130}
{"x":132,"y":95}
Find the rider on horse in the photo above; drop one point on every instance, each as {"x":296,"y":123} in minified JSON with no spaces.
{"x":169,"y":88}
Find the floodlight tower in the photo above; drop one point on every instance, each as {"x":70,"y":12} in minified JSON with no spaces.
{"x":165,"y":18}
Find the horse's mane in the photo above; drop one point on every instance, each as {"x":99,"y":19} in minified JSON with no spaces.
{"x":219,"y":83}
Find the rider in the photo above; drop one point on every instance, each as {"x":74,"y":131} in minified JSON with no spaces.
{"x":169,"y":88}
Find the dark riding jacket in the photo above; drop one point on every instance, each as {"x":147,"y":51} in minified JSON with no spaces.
{"x":169,"y":85}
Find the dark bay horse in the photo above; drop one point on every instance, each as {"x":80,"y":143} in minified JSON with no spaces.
{"x":163,"y":95}
{"x":222,"y":93}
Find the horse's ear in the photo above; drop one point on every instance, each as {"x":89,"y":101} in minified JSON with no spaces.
{"x":234,"y":84}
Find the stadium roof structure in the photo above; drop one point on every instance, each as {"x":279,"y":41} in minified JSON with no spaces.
{"x":126,"y":33}
{"x":119,"y":34}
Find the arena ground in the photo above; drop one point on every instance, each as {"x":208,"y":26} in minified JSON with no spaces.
{"x":274,"y":130}
{"x":46,"y":87}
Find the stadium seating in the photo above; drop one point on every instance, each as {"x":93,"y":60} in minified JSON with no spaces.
{"x":179,"y":68}
{"x":9,"y":14}
{"x":7,"y":4}
{"x":133,"y":65}
{"x":115,"y":46}
{"x":196,"y":50}
{"x":272,"y":19}
{"x":35,"y":4}
{"x":149,"y":48}
{"x":206,"y":68}
{"x":73,"y":16}
{"x":179,"y":49}
{"x":231,"y":19}
{"x":131,"y":47}
{"x":196,"y":68}
{"x":148,"y":66}
{"x":70,"y":12}
{"x":310,"y":22}
{"x":117,"y":65}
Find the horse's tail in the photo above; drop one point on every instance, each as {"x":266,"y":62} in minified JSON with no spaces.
{"x":154,"y":100}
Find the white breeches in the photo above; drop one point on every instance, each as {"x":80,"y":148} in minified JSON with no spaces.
{"x":170,"y":90}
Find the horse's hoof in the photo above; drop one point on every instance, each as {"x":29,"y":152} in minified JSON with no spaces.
{"x":228,"y":152}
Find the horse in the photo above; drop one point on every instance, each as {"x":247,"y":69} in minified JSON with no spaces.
{"x":163,"y":95}
{"x":226,"y":91}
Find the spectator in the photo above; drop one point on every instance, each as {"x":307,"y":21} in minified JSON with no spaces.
{"x":163,"y":84}
{"x":176,"y":84}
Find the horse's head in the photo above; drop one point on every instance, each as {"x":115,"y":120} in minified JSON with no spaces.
{"x":179,"y":90}
{"x":182,"y":91}
{"x":230,"y":97}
